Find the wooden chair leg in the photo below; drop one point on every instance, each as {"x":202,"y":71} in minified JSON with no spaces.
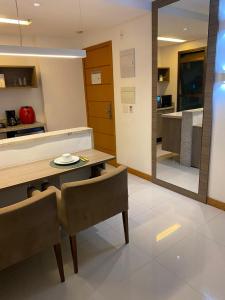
{"x":73,"y":245}
{"x":58,"y":255}
{"x":126,"y":226}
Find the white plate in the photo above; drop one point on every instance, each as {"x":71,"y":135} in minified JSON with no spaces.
{"x":59,"y":161}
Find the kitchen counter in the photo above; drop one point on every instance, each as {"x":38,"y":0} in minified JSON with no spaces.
{"x":30,"y":148}
{"x":21,"y":127}
{"x":178,"y":114}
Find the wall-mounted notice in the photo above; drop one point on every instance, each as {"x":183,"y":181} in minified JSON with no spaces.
{"x":127,"y":63}
{"x":128,"y":95}
{"x":96,"y":78}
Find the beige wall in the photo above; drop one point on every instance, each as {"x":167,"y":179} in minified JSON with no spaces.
{"x":168,"y":58}
{"x":59,"y":98}
{"x":133,"y":130}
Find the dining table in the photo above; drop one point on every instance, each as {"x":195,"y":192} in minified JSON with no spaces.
{"x":27,"y":174}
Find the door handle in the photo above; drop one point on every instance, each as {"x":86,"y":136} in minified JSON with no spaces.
{"x":109,"y":111}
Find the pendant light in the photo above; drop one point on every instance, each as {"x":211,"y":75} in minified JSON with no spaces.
{"x":38,"y":52}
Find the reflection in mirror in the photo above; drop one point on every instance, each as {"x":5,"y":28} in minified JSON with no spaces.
{"x":182,"y":46}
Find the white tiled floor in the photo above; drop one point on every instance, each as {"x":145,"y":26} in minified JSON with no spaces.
{"x":186,"y":263}
{"x":170,"y":170}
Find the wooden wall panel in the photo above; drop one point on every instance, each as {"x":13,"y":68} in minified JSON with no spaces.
{"x":99,"y":93}
{"x":98,"y":109}
{"x":104,"y":141}
{"x":101,"y":125}
{"x":101,"y":56}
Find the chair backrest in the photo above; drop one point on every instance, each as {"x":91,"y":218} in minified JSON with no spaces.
{"x":88,"y":202}
{"x":28,"y":227}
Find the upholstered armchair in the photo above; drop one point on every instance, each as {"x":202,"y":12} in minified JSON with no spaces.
{"x":28,"y":227}
{"x":85,"y":203}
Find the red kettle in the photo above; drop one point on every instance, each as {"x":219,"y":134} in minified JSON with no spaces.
{"x":27,"y":115}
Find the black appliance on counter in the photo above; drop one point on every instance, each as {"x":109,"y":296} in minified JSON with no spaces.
{"x":11,"y":118}
{"x":164,"y":101}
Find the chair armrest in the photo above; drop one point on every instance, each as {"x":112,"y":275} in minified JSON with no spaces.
{"x":60,"y":206}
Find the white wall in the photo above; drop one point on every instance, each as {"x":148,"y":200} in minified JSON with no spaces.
{"x":63,"y":87}
{"x":59,"y":100}
{"x":133,"y":130}
{"x":168,"y":57}
{"x":217,"y":162}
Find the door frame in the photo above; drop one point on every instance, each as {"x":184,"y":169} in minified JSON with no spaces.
{"x":94,"y":47}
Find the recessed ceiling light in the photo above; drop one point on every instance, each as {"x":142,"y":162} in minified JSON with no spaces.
{"x":36,"y":4}
{"x":185,"y":28}
{"x":14,"y":21}
{"x":172,"y":40}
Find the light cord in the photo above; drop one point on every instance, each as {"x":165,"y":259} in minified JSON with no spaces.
{"x":19,"y":26}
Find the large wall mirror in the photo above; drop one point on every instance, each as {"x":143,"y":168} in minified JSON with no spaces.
{"x":184,"y":47}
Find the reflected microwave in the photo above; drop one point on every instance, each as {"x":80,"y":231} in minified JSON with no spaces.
{"x":164,"y":101}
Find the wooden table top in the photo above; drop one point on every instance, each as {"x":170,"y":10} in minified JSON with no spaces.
{"x":27,"y":173}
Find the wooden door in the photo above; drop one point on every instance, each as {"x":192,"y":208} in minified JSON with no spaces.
{"x":99,"y":90}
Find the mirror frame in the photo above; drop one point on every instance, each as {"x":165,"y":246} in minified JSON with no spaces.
{"x":207,"y":116}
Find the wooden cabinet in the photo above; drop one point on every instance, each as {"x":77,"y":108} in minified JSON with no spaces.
{"x":19,"y":76}
{"x":163,"y":74}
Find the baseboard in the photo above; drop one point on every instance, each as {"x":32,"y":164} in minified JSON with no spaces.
{"x":216,"y":203}
{"x":140,"y":174}
{"x":137,"y":173}
{"x":113,"y":163}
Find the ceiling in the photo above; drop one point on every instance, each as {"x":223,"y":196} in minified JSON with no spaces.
{"x":62,"y":18}
{"x":185,"y":19}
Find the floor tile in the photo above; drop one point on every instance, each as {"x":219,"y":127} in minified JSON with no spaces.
{"x":161,"y":232}
{"x":214,"y":229}
{"x":196,"y":212}
{"x":200,"y":262}
{"x":154,"y":282}
{"x":107,"y":271}
{"x":176,"y":252}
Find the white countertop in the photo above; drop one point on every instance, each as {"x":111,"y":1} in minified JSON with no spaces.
{"x":178,"y":114}
{"x":42,"y":136}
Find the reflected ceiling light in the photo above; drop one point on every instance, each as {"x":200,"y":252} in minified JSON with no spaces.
{"x":41,"y":52}
{"x":172,"y":40}
{"x":36,"y":4}
{"x":170,"y":230}
{"x":15,"y":21}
